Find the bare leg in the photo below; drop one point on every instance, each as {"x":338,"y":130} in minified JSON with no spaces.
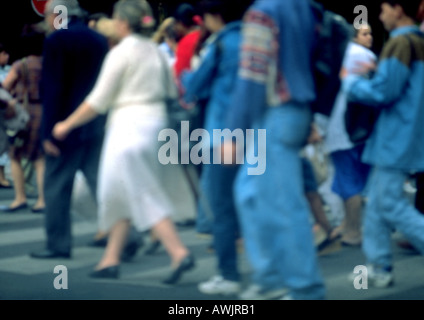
{"x":3,"y":180}
{"x":116,"y":242}
{"x":100,"y":235}
{"x":18,"y":182}
{"x":352,"y":231}
{"x":318,"y":212}
{"x":167,"y":234}
{"x":40,"y":166}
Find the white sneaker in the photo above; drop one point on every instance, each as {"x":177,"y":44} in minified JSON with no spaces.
{"x":379,"y":278}
{"x":218,"y":285}
{"x":376,"y":277}
{"x":255,"y":292}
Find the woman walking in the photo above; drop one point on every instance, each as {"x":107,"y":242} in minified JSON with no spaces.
{"x":132,"y":182}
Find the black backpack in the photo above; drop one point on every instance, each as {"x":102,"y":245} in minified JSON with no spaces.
{"x":333,"y":36}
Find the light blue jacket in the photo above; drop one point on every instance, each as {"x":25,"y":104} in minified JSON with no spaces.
{"x":215,"y":77}
{"x":397,"y":88}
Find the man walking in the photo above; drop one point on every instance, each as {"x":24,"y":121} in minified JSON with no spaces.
{"x":72,"y":60}
{"x":396,"y":147}
{"x":274,"y":92}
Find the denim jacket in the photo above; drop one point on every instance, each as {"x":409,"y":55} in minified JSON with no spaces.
{"x":275,"y":60}
{"x":215,"y":77}
{"x":397,"y":89}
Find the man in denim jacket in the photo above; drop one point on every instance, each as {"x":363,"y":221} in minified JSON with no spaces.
{"x":274,"y":91}
{"x":213,"y":81}
{"x":396,"y":147}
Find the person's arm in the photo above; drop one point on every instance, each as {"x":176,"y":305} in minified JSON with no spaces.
{"x":257,"y":53}
{"x":250,"y":94}
{"x":51,"y":89}
{"x":11,"y":79}
{"x":389,"y":80}
{"x":51,"y":86}
{"x":197,"y":84}
{"x":100,"y":98}
{"x":84,"y":114}
{"x":109,"y":81}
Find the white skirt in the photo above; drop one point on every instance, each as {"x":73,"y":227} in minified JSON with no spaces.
{"x":133,"y":184}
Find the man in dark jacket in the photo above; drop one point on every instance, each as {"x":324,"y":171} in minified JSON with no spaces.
{"x":73,"y":55}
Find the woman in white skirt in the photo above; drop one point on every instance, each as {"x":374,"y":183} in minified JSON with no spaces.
{"x":133,"y":184}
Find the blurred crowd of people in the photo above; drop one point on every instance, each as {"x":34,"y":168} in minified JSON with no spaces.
{"x":96,"y":93}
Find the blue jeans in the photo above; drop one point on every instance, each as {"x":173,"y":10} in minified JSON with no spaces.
{"x":274,"y":212}
{"x":204,"y":218}
{"x":219,"y":181}
{"x":387,"y":210}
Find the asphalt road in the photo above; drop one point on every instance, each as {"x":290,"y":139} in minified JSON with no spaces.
{"x":23,"y":278}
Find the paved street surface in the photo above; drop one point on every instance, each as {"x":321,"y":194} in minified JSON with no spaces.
{"x":23,"y":278}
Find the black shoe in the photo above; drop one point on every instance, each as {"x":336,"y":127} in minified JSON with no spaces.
{"x":131,"y":249}
{"x":186,"y":264}
{"x":101,"y":242}
{"x":186,"y":224}
{"x":106,"y":273}
{"x":37,"y":210}
{"x":15,"y":209}
{"x":154,"y":246}
{"x":49,"y":254}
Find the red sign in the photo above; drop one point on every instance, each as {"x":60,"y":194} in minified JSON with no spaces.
{"x":39,"y":6}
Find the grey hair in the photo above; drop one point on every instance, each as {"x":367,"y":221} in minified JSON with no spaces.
{"x":74,"y":9}
{"x":135,"y":13}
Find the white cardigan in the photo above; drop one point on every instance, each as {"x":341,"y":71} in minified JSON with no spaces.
{"x":132,"y":75}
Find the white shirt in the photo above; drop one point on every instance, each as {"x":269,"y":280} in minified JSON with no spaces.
{"x":336,"y":137}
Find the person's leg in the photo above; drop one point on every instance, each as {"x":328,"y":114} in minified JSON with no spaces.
{"x":4,"y":159}
{"x":90,"y":165}
{"x":398,"y":210}
{"x":314,"y":199}
{"x":116,"y":242}
{"x":204,"y":218}
{"x":389,"y":210}
{"x":3,"y":181}
{"x":317,"y":209}
{"x":18,"y":182}
{"x":90,"y":169}
{"x":274,"y":211}
{"x":352,"y":233}
{"x":40,"y":166}
{"x":167,"y":234}
{"x":225,"y":223}
{"x":350,"y":182}
{"x":377,"y":232}
{"x":58,"y":184}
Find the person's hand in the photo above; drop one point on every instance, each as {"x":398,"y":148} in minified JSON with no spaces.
{"x":229,"y":148}
{"x":343,"y":73}
{"x":60,"y":131}
{"x":363,"y":68}
{"x":51,"y":149}
{"x":314,"y":136}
